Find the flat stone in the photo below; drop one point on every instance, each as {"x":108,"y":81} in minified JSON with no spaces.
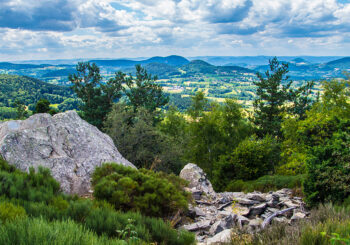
{"x":201,"y":225}
{"x":257,"y":210}
{"x":241,"y":221}
{"x":220,"y":238}
{"x":256,"y":197}
{"x":245,"y":201}
{"x":297,"y":216}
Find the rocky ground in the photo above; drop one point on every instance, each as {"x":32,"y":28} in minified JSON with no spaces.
{"x":215,"y":214}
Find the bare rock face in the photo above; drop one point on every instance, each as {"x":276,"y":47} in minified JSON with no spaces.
{"x":70,"y":147}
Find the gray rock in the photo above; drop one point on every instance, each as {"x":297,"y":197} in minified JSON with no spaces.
{"x":70,"y":147}
{"x":257,"y":210}
{"x":220,"y":238}
{"x":197,"y":179}
{"x":199,"y":212}
{"x":217,"y":227}
{"x":245,"y":201}
{"x":201,"y":225}
{"x":256,"y":196}
{"x":241,"y":221}
{"x":297,"y":216}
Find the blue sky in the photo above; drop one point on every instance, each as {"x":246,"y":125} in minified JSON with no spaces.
{"x":64,"y":29}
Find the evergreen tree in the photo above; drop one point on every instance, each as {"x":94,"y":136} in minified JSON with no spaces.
{"x":97,"y":97}
{"x":143,"y":91}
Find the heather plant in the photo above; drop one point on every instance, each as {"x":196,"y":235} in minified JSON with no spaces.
{"x":153,"y":194}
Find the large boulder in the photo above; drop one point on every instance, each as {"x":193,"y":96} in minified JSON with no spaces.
{"x":70,"y":147}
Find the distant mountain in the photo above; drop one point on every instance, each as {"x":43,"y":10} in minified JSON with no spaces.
{"x":59,"y":73}
{"x":202,"y":67}
{"x":343,"y":63}
{"x":156,"y":69}
{"x":172,"y":60}
{"x":299,"y":61}
{"x":12,"y":66}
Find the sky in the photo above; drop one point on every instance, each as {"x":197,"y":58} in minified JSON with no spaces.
{"x":70,"y":29}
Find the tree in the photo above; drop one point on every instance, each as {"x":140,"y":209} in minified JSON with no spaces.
{"x":275,"y":97}
{"x":143,"y":91}
{"x":140,"y":141}
{"x":97,"y":97}
{"x":272,"y":93}
{"x":21,"y":111}
{"x":215,"y":132}
{"x":43,"y":106}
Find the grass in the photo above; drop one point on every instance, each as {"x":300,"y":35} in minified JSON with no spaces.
{"x":323,"y":224}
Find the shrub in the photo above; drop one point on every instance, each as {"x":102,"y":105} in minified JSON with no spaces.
{"x":266,"y":183}
{"x":328,"y":178}
{"x":251,"y":159}
{"x":33,"y":186}
{"x":154,"y":194}
{"x":38,"y":231}
{"x":9,"y":212}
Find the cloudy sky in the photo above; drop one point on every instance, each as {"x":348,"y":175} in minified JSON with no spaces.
{"x":56,"y":29}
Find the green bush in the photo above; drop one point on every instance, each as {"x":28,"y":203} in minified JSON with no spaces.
{"x":38,"y":231}
{"x":251,"y":159}
{"x":9,"y":212}
{"x":328,"y":178}
{"x":153,"y":194}
{"x":266,"y":183}
{"x":33,"y":186}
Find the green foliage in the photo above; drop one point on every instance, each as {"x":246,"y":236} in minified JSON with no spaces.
{"x":97,"y":216}
{"x":140,"y":141}
{"x":43,"y":106}
{"x":21,"y":111}
{"x":266,"y":183}
{"x":143,"y":91}
{"x":328,"y":168}
{"x":32,"y":186}
{"x":26,"y":91}
{"x":97,"y":96}
{"x":273,"y":94}
{"x":39,"y":231}
{"x":251,"y":159}
{"x":153,"y":194}
{"x":214,"y":133}
{"x":10,"y":212}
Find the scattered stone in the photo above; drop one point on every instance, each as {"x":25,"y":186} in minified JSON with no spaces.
{"x":216,"y":213}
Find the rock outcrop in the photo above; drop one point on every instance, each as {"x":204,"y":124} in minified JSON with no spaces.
{"x":215,"y":214}
{"x":70,"y":147}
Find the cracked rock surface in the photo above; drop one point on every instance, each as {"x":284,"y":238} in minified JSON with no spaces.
{"x":69,"y":146}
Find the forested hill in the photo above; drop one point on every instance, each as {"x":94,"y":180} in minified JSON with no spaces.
{"x":29,"y":90}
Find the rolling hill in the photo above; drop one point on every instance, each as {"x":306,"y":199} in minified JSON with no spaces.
{"x":172,"y":60}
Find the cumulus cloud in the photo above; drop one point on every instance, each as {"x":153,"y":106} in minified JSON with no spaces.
{"x":189,"y":27}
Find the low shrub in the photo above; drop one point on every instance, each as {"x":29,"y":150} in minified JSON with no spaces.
{"x":33,"y":186}
{"x":267,"y":183}
{"x":10,"y":212}
{"x":39,"y":231}
{"x":153,"y":194}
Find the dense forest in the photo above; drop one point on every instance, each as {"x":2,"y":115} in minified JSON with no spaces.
{"x":291,"y":138}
